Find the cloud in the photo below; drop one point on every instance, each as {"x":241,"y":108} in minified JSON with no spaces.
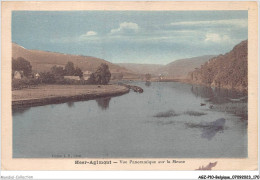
{"x":230,"y":22}
{"x":89,"y":33}
{"x":87,"y":36}
{"x":126,"y":28}
{"x":213,"y":37}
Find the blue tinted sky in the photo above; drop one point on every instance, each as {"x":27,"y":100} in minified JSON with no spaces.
{"x":157,"y":37}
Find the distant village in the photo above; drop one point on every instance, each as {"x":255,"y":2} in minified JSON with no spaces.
{"x":23,"y":76}
{"x":20,"y":75}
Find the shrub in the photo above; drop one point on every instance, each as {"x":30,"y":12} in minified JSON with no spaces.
{"x":47,"y":77}
{"x":24,"y":83}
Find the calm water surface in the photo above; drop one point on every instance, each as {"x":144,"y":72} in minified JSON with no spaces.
{"x":169,"y":119}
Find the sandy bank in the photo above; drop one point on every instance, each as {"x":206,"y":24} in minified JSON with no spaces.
{"x":53,"y":94}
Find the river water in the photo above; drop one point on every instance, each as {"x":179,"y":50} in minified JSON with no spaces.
{"x":168,"y":120}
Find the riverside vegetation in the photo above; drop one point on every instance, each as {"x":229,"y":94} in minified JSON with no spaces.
{"x":225,"y":71}
{"x":56,"y":75}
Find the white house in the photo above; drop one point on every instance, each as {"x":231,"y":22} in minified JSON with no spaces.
{"x":18,"y":75}
{"x":37,"y":75}
{"x":86,"y":75}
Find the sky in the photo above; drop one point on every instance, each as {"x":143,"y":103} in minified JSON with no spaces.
{"x":147,"y":37}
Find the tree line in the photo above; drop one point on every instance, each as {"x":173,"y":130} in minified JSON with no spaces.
{"x":69,"y":70}
{"x":56,"y":74}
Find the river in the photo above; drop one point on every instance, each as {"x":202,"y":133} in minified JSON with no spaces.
{"x":168,"y":120}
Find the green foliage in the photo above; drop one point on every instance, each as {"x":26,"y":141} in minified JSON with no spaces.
{"x":101,"y":76}
{"x":20,"y":64}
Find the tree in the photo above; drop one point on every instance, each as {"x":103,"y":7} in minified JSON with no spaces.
{"x":78,"y":72}
{"x":69,"y":69}
{"x":58,"y":71}
{"x":47,"y":77}
{"x":101,"y":76}
{"x":20,"y":64}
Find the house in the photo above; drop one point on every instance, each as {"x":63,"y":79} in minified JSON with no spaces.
{"x":86,"y":75}
{"x":72,"y":77}
{"x":18,"y":74}
{"x":37,"y":75}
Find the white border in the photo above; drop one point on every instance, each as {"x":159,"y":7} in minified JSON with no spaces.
{"x":127,"y":174}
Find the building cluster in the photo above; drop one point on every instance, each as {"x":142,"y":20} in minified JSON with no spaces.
{"x":20,"y":75}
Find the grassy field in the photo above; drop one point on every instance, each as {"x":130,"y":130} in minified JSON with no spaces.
{"x":48,"y":94}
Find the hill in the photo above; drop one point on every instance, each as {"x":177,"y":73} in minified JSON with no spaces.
{"x":43,"y":60}
{"x":180,"y":68}
{"x":142,"y":68}
{"x":176,"y":69}
{"x":225,"y":71}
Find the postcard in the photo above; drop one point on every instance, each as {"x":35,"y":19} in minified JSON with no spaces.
{"x":129,"y":86}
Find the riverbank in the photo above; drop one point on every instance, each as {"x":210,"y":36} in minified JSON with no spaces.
{"x":188,"y":81}
{"x":54,"y":94}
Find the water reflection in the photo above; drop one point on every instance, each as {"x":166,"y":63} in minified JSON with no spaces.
{"x":103,"y":103}
{"x":20,"y":110}
{"x":209,"y":130}
{"x":213,"y":128}
{"x":70,"y":104}
{"x":218,"y":95}
{"x":131,"y":125}
{"x":148,"y":83}
{"x":223,"y":100}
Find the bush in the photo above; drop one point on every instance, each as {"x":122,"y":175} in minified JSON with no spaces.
{"x":24,"y":83}
{"x":58,"y":71}
{"x":47,"y":77}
